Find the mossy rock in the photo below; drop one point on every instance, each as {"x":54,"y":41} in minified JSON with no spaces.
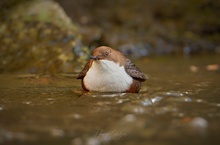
{"x":37,"y":37}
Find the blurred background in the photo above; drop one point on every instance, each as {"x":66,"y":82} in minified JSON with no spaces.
{"x":45,"y":43}
{"x":46,"y":36}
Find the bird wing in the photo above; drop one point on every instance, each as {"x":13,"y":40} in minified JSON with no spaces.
{"x":82,"y":74}
{"x":133,"y":71}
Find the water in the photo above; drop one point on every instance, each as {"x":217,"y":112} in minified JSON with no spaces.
{"x":179,"y":104}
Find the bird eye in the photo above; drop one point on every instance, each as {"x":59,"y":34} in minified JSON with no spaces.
{"x":106,"y":53}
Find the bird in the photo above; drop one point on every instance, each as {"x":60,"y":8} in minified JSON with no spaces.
{"x":108,"y":70}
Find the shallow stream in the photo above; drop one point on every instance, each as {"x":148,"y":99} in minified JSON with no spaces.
{"x":179,"y":104}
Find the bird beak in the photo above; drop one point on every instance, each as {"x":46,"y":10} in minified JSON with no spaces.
{"x":94,"y":57}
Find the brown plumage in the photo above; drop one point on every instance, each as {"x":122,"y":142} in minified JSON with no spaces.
{"x":111,"y":72}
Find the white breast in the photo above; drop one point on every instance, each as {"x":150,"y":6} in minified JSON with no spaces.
{"x":107,"y":76}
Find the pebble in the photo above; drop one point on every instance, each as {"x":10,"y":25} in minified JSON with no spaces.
{"x":199,"y":122}
{"x":93,"y":141}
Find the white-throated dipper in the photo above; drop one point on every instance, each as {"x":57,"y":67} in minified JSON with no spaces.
{"x":109,"y":70}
